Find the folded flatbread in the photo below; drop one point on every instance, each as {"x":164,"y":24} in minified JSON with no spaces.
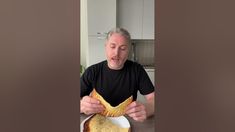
{"x":110,"y":110}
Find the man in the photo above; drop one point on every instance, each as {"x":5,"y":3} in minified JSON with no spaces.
{"x":116,"y":79}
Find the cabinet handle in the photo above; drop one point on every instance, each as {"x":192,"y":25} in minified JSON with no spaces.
{"x":99,"y":33}
{"x":101,"y":37}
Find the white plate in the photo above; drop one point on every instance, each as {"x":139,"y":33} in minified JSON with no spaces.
{"x":121,"y":121}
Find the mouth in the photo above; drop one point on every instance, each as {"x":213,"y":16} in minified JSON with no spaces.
{"x":115,"y":59}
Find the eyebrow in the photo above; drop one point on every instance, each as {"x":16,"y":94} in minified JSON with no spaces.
{"x":112,"y":43}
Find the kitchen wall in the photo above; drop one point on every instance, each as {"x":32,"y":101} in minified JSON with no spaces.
{"x":83,"y":32}
{"x":143,"y":52}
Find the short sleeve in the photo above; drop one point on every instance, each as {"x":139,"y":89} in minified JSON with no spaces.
{"x":145,"y":84}
{"x":86,"y":82}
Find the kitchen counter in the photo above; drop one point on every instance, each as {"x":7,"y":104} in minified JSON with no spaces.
{"x":147,"y":126}
{"x":149,"y":67}
{"x":151,"y":74}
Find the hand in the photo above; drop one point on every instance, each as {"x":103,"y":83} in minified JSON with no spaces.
{"x":137,"y":111}
{"x":90,"y":105}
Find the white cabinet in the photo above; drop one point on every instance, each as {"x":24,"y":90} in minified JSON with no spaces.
{"x":151,"y":72}
{"x":130,"y":16}
{"x":148,"y":19}
{"x":96,"y":50}
{"x":137,"y":16}
{"x":101,"y":18}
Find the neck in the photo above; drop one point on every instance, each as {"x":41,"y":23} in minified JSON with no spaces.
{"x":118,"y":68}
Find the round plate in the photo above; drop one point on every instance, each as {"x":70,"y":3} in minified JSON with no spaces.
{"x":121,"y":121}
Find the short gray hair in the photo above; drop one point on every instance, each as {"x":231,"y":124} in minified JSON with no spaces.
{"x":120,"y":31}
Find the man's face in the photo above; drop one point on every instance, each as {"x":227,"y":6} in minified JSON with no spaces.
{"x":117,"y":50}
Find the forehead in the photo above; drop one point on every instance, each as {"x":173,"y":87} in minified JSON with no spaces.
{"x":117,"y":38}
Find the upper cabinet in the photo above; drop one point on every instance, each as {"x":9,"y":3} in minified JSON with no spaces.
{"x":101,"y":16}
{"x":129,"y":16}
{"x":148,"y":19}
{"x":137,"y":16}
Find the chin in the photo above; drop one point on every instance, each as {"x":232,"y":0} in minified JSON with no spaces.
{"x":116,"y":67}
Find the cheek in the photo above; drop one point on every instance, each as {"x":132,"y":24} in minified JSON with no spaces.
{"x":108,"y":53}
{"x":124,"y":54}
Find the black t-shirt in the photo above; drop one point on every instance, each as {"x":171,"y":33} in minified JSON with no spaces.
{"x":115,"y":86}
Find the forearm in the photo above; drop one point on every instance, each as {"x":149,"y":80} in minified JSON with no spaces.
{"x":149,"y":105}
{"x":150,"y":109}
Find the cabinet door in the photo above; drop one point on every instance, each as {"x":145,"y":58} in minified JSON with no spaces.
{"x":96,"y":50}
{"x":101,"y":16}
{"x":148,"y":19}
{"x":151,"y":73}
{"x":130,"y":16}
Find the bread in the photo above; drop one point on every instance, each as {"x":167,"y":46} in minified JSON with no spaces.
{"x":110,"y":110}
{"x":100,"y":123}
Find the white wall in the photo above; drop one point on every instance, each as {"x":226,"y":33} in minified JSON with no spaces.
{"x":83,"y":33}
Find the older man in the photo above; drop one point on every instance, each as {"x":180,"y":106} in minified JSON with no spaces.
{"x":116,"y":79}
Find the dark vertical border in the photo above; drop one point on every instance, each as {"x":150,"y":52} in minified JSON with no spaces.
{"x":157,"y":44}
{"x":195,"y":65}
{"x":77,"y":63}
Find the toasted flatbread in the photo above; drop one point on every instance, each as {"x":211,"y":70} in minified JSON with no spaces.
{"x":110,"y":110}
{"x":100,"y":123}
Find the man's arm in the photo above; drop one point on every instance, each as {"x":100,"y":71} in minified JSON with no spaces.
{"x":150,"y":99}
{"x":140,"y":111}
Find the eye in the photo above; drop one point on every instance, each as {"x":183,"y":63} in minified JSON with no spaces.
{"x":123,"y":48}
{"x":112,"y":46}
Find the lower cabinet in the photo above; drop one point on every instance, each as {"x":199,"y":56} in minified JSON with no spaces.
{"x":151,"y":72}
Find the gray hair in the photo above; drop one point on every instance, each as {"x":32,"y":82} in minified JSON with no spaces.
{"x":120,"y":31}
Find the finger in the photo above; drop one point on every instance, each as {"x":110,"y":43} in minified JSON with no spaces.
{"x":131,"y":106}
{"x":93,"y":106}
{"x":137,"y":108}
{"x":92,"y":111}
{"x":94,"y":101}
{"x":133,"y":110}
{"x":91,"y":100}
{"x":140,"y":119}
{"x":138,"y":114}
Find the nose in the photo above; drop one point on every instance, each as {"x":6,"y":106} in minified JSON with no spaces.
{"x":116,"y":52}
